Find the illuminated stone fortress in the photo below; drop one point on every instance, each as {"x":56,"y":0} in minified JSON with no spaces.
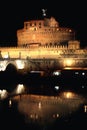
{"x":44,"y":32}
{"x":44,"y":45}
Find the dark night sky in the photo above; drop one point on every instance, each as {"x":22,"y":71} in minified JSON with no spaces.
{"x":68,"y":13}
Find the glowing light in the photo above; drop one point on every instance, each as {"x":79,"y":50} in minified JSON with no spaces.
{"x":2,"y":67}
{"x":83,"y":86}
{"x":10,"y":103}
{"x":68,"y":62}
{"x":85,"y":108}
{"x":3,"y":94}
{"x":57,"y":115}
{"x":39,"y":105}
{"x":83,"y":73}
{"x":57,"y":73}
{"x":68,"y":95}
{"x":57,"y":87}
{"x":76,"y":72}
{"x":20,"y":89}
{"x":70,"y":30}
{"x":6,"y":56}
{"x":20,"y":64}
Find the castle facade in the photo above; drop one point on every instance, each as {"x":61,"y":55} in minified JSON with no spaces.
{"x":44,"y":32}
{"x":44,"y":43}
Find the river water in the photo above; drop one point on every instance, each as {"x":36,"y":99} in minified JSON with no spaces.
{"x":43,"y":106}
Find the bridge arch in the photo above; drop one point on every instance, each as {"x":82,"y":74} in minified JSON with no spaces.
{"x":11,"y":67}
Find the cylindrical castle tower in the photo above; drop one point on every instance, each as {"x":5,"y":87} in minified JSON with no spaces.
{"x":43,"y":32}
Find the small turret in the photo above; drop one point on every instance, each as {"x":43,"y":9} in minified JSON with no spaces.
{"x":74,"y":44}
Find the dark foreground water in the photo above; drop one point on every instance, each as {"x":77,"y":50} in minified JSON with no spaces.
{"x":50,"y":105}
{"x":35,"y":110}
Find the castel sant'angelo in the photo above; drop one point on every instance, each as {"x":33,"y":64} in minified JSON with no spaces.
{"x":45,"y":39}
{"x":45,"y":32}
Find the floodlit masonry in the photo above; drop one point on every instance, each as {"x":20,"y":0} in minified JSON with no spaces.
{"x":38,"y":52}
{"x":43,"y":44}
{"x":44,"y":32}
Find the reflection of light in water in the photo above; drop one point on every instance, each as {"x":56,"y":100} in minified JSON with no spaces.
{"x":57,"y":73}
{"x":68,"y":95}
{"x":10,"y":102}
{"x":39,"y":105}
{"x":3,"y":94}
{"x":85,"y":108}
{"x":48,"y":108}
{"x":20,"y":89}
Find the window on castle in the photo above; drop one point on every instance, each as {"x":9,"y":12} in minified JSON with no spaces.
{"x":34,"y":24}
{"x":40,"y":25}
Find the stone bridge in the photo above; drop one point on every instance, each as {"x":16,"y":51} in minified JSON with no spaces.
{"x":42,"y":64}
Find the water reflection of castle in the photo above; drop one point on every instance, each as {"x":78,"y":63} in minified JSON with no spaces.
{"x":46,"y":44}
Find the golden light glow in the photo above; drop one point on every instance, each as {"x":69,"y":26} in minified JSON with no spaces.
{"x":39,"y":105}
{"x":70,"y":30}
{"x":59,"y":53}
{"x":68,"y":95}
{"x":68,"y":62}
{"x":3,"y":94}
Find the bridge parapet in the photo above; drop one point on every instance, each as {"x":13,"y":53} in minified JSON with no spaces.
{"x":42,"y":64}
